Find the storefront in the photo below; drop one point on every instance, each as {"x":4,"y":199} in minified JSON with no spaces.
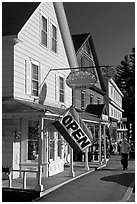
{"x":27,"y":130}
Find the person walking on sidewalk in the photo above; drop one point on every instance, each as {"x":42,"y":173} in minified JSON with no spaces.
{"x":125,"y":148}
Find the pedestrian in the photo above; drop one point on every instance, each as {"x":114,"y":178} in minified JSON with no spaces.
{"x":125,"y":148}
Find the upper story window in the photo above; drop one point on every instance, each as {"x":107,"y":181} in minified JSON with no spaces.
{"x":54,"y":39}
{"x":86,"y":48}
{"x":82,"y":99}
{"x":86,"y":62}
{"x":98,"y":100}
{"x":61,"y":89}
{"x":35,"y":79}
{"x":91,"y":99}
{"x":111,"y":90}
{"x":44,"y":32}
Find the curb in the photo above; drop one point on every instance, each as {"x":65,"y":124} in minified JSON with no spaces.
{"x":128,"y":192}
{"x":68,"y":181}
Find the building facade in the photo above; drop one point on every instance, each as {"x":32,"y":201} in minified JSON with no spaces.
{"x":90,"y":95}
{"x":34,"y":89}
{"x":113,"y":102}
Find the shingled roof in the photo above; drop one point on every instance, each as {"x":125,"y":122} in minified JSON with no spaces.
{"x":15,"y":15}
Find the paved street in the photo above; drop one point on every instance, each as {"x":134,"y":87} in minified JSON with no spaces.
{"x":105,"y":185}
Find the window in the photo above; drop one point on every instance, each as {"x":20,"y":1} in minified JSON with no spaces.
{"x":91,"y":98}
{"x":82,"y":99}
{"x":61,"y":89}
{"x":111,"y":90}
{"x":54,"y":39}
{"x":33,"y":140}
{"x":35,"y":79}
{"x":98,"y":100}
{"x":44,"y":32}
{"x":111,"y":111}
{"x":86,"y":62}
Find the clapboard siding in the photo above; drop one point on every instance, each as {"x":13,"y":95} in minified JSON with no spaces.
{"x":7,"y":70}
{"x":30,"y":48}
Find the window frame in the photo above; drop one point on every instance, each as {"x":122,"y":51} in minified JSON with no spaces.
{"x":98,"y":100}
{"x":54,"y":38}
{"x":83,"y":99}
{"x":37,"y":64}
{"x":61,"y":90}
{"x":91,"y":97}
{"x":41,"y":29}
{"x":32,"y":140}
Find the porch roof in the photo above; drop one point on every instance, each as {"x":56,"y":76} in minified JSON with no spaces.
{"x":21,"y":106}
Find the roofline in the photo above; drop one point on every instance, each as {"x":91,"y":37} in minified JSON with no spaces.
{"x":84,"y":41}
{"x":95,"y":59}
{"x":65,"y":32}
{"x":96,"y":63}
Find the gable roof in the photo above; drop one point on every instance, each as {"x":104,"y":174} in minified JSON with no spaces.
{"x":15,"y":15}
{"x":97,"y":109}
{"x":78,"y":41}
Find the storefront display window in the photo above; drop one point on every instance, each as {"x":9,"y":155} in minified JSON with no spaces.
{"x":33,"y":140}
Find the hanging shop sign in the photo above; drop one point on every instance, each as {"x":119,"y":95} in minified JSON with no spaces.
{"x":81,"y":79}
{"x":74,"y":130}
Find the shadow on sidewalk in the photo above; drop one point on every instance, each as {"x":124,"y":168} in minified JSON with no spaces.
{"x":124,"y":179}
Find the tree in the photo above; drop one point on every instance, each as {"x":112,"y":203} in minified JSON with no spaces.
{"x":125,"y":79}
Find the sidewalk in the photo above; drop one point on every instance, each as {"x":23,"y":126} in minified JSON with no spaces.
{"x":108,"y":184}
{"x":56,"y":181}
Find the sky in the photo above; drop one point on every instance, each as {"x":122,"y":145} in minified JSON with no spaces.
{"x":111,"y":24}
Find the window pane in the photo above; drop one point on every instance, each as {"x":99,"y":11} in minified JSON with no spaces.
{"x":54,"y":45}
{"x":82,"y":99}
{"x":33,"y":140}
{"x":35,"y":69}
{"x":61,"y":97}
{"x":61,"y":89}
{"x":44,"y":38}
{"x":54,"y":32}
{"x":34,"y":85}
{"x":44,"y":24}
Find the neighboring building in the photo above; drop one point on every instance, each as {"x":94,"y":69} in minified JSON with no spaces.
{"x":94,"y":94}
{"x":33,"y":95}
{"x":113,"y":101}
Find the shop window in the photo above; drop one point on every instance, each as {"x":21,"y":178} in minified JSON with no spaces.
{"x":51,"y":146}
{"x":60,"y":146}
{"x":56,"y":143}
{"x":44,"y":32}
{"x":33,"y":140}
{"x":54,"y":39}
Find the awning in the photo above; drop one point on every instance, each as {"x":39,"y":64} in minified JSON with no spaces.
{"x":88,"y":118}
{"x":98,"y":109}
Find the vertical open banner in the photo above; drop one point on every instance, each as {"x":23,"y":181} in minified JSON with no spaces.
{"x":74,"y":130}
